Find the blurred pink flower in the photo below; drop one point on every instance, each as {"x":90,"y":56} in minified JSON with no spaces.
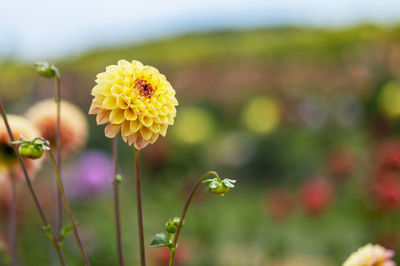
{"x":92,"y":174}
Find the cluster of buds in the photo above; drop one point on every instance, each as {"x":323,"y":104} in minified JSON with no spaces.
{"x":32,"y":148}
{"x":166,"y":240}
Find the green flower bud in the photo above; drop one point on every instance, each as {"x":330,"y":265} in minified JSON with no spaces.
{"x":31,"y":150}
{"x":221,"y":189}
{"x":44,"y":69}
{"x":218,"y":186}
{"x":172,"y":224}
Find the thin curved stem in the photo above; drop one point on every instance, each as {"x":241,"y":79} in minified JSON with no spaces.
{"x":13,"y":220}
{"x":58,"y":210}
{"x":116,"y":184}
{"x":69,"y":212}
{"x":184,"y":211}
{"x":30,"y":186}
{"x":139,"y":210}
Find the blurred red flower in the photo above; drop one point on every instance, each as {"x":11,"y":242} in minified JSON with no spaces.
{"x":316,"y":196}
{"x":386,"y":190}
{"x":389,"y":155}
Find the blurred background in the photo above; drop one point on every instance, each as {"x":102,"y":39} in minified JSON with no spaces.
{"x":298,"y":100}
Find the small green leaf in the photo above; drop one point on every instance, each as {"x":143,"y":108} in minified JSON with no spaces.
{"x":207,"y":181}
{"x":17,"y":142}
{"x":228,"y":184}
{"x":47,"y":229}
{"x":160,"y":240}
{"x":213,"y":184}
{"x":65,"y":231}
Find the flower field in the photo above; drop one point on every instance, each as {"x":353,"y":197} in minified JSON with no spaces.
{"x":305,"y":120}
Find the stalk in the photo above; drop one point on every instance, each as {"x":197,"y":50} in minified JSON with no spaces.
{"x":58,"y":209}
{"x":139,"y":210}
{"x":69,"y":212}
{"x":13,"y":220}
{"x":184,"y":211}
{"x":116,"y":184}
{"x":30,"y":187}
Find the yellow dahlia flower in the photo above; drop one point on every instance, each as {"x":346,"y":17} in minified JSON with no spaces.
{"x":371,"y":255}
{"x":73,"y":126}
{"x":8,"y":160}
{"x":135,"y":100}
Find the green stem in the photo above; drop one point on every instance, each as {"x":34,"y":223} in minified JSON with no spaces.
{"x":184,"y":211}
{"x":116,"y":204}
{"x":69,"y":212}
{"x":58,"y":209}
{"x":139,"y":210}
{"x":171,"y":256}
{"x":30,"y":186}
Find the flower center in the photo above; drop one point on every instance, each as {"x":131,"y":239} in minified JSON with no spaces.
{"x":145,"y":89}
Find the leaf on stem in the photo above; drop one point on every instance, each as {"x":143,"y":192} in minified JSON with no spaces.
{"x":160,"y":240}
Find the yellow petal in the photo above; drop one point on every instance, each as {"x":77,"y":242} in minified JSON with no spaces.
{"x":163,"y":110}
{"x":110,"y":102}
{"x":154,"y":138}
{"x":117,"y":89}
{"x":117,"y":116}
{"x":123,"y":102}
{"x":146,"y":121}
{"x":111,"y":130}
{"x":171,"y":119}
{"x":118,"y":80}
{"x":146,"y":133}
{"x":94,"y":109}
{"x":140,"y":142}
{"x":126,"y":128}
{"x":112,"y":68}
{"x":163,"y":119}
{"x":103,"y":117}
{"x":130,"y":114}
{"x":137,"y":66}
{"x":163,"y":129}
{"x":132,"y":138}
{"x":124,"y":64}
{"x":155,"y":128}
{"x":135,"y":125}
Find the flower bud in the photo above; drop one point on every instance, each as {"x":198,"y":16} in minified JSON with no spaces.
{"x":218,"y":186}
{"x":172,"y":224}
{"x":221,"y":189}
{"x":44,"y":69}
{"x":31,"y":150}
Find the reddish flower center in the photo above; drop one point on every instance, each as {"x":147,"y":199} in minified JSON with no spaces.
{"x":145,"y":89}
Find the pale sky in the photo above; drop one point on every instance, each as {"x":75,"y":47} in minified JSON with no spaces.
{"x":43,"y":29}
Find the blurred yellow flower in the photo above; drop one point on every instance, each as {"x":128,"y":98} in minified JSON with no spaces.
{"x":371,"y":255}
{"x":8,"y":160}
{"x":135,"y":100}
{"x":194,"y":126}
{"x":262,"y":115}
{"x":389,"y":99}
{"x":73,"y":124}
